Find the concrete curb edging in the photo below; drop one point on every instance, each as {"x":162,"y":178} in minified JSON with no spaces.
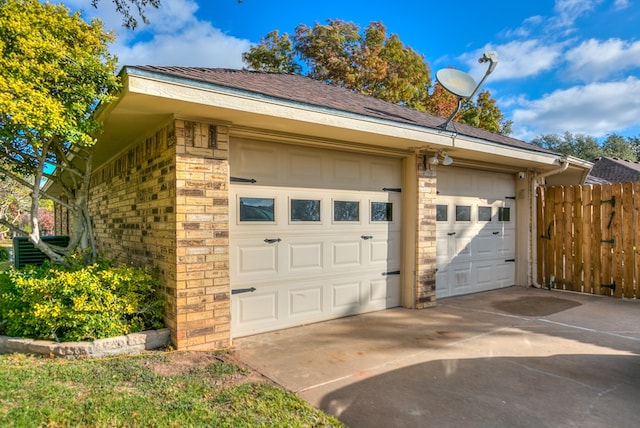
{"x":129,"y":344}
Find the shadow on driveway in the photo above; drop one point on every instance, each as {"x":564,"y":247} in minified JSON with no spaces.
{"x":554,"y":391}
{"x":515,"y":357}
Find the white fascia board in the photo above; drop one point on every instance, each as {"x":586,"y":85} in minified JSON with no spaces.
{"x":478,"y":145}
{"x":181,"y":89}
{"x":268,"y":106}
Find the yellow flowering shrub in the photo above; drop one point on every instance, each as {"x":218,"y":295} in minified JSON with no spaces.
{"x":82,"y":303}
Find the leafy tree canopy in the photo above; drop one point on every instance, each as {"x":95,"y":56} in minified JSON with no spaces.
{"x":371,"y":62}
{"x":124,"y":7}
{"x":55,"y":69}
{"x":588,"y":148}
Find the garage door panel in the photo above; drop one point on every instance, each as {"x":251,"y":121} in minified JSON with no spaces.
{"x":462,"y":247}
{"x":305,"y":301}
{"x":346,"y":296}
{"x":461,"y":275}
{"x":383,"y":173}
{"x":505,"y":274}
{"x":383,"y":292}
{"x":506,"y":245}
{"x":306,"y":166}
{"x":385,"y":251}
{"x":485,"y":274}
{"x":255,"y":160}
{"x":346,"y":171}
{"x":306,"y":256}
{"x":258,"y":308}
{"x":255,"y":259}
{"x":347,"y":253}
{"x":485,"y":245}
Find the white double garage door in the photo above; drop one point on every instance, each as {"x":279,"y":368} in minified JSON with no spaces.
{"x":316,"y":235}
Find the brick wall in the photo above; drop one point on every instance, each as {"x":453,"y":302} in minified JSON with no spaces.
{"x":425,"y":237}
{"x":163,"y":203}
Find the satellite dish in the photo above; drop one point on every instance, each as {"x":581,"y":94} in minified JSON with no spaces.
{"x":457,"y":82}
{"x":461,"y":84}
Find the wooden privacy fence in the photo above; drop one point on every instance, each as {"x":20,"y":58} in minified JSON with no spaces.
{"x":588,"y":238}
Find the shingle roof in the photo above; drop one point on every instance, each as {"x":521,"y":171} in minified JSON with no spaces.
{"x":614,"y":170}
{"x":308,"y":91}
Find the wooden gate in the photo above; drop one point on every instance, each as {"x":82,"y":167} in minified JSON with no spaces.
{"x":588,"y":238}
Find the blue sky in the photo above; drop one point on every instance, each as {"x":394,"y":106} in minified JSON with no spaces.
{"x":564,"y":65}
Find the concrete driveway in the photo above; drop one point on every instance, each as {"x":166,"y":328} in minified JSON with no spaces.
{"x":516,"y":357}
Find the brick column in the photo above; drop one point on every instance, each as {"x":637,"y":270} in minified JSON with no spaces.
{"x":202,"y":230}
{"x":425,"y":237}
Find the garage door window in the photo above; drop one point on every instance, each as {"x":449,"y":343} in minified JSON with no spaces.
{"x":305,"y":210}
{"x":346,"y":211}
{"x":463,"y":213}
{"x":257,"y":209}
{"x":484,"y":213}
{"x":504,"y":214}
{"x":381,"y":211}
{"x":442,"y":213}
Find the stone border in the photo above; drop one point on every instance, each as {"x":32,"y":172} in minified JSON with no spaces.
{"x":129,"y":344}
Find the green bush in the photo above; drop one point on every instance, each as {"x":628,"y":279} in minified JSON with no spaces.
{"x":82,"y":303}
{"x":4,"y":254}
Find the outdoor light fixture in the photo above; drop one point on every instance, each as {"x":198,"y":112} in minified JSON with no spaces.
{"x":436,"y":158}
{"x":461,"y":84}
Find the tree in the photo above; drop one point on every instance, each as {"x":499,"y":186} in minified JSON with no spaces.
{"x":588,"y":148}
{"x":14,"y":201}
{"x":55,"y":69}
{"x":580,"y":146}
{"x":617,"y":146}
{"x":634,"y":144}
{"x":485,"y":114}
{"x":274,"y":54}
{"x":124,"y":8}
{"x":370,"y":62}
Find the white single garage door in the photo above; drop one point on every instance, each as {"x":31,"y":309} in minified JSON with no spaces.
{"x":475,"y":231}
{"x":315,"y":237}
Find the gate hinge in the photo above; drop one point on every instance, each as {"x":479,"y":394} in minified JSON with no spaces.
{"x":242,"y":180}
{"x":243,"y":290}
{"x":393,"y":272}
{"x":611,"y":286}
{"x":611,"y":241}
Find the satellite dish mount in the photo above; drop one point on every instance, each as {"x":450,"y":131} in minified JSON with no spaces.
{"x":461,"y":84}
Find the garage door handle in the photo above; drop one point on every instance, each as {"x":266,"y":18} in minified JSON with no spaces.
{"x":496,"y":233}
{"x":365,"y":237}
{"x":272,"y":240}
{"x":393,"y":272}
{"x":451,"y":233}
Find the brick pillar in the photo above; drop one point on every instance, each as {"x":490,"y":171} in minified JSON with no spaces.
{"x":425,"y":237}
{"x":203,"y":290}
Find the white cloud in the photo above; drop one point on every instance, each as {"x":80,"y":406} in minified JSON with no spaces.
{"x":594,"y":60}
{"x":596,"y":110}
{"x":528,"y":26}
{"x":567,"y":11}
{"x":620,"y":4}
{"x":198,"y":46}
{"x":174,"y":36}
{"x":517,"y":59}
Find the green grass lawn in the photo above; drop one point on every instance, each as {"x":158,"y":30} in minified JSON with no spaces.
{"x":158,"y":389}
